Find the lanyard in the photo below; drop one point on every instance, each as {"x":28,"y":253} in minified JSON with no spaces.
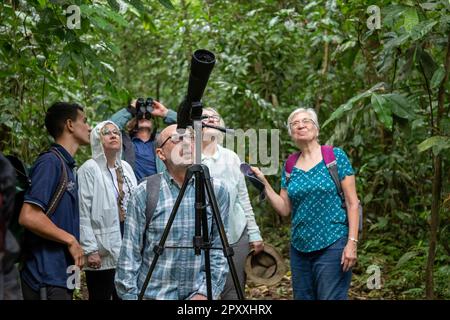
{"x":120,"y":194}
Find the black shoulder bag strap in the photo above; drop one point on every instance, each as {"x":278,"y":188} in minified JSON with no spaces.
{"x":333,"y":170}
{"x":62,"y":185}
{"x":153,"y":186}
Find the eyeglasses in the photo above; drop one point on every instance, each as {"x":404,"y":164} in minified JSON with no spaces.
{"x":213,"y":118}
{"x":176,"y":138}
{"x":305,"y":121}
{"x":108,"y":132}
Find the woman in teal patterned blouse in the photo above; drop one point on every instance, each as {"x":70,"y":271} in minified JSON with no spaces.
{"x":323,"y":233}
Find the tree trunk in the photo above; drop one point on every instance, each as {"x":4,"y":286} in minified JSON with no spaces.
{"x":323,"y":72}
{"x":434,"y":225}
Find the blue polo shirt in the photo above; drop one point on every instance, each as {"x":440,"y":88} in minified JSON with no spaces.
{"x":145,"y":164}
{"x":47,"y":261}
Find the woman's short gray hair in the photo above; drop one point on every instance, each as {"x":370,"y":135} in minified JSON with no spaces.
{"x":312,"y":113}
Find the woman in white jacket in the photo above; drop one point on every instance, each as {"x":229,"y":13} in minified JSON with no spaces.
{"x":105,"y":183}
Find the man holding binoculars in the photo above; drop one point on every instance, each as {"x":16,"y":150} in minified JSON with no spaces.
{"x":139,"y":134}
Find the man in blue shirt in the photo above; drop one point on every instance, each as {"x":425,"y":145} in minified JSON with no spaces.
{"x":138,"y":139}
{"x":179,"y":273}
{"x":53,"y":242}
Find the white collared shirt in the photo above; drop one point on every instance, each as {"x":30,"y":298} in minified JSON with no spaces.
{"x":224,"y":165}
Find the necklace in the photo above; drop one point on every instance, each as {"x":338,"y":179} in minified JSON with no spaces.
{"x":119,"y":190}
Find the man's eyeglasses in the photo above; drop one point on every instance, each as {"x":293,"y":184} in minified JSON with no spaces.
{"x":214,"y":118}
{"x":176,"y":138}
{"x":109,"y":132}
{"x":305,"y":121}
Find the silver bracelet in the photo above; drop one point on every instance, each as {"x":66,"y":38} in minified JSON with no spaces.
{"x":353,"y":239}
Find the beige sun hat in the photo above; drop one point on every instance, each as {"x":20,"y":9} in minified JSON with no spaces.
{"x":265,"y":268}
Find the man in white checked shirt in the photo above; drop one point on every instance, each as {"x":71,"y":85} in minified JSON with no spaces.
{"x":179,"y":274}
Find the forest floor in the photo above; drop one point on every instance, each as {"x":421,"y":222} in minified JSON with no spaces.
{"x":283,"y":291}
{"x":280,"y":291}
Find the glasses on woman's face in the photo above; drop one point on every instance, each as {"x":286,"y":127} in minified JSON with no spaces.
{"x":304,"y":121}
{"x":177,"y":138}
{"x":210,"y":118}
{"x":109,"y":132}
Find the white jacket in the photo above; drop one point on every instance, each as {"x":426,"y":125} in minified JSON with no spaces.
{"x":99,"y":213}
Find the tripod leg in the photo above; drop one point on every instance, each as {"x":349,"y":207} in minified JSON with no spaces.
{"x":227,"y":249}
{"x":158,"y":249}
{"x":202,"y":240}
{"x":199,"y":210}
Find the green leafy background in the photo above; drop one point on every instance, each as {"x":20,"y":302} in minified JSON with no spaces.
{"x":376,"y":93}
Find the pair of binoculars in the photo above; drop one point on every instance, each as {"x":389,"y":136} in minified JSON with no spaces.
{"x":144,"y":108}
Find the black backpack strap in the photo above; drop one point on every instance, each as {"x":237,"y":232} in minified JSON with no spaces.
{"x":153,"y":186}
{"x":333,"y":170}
{"x":61,"y":188}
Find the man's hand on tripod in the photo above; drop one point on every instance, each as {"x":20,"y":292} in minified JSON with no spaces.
{"x":257,"y":246}
{"x":199,"y":297}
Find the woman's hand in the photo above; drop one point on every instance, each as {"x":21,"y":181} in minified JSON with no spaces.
{"x":94,"y":260}
{"x":257,"y":246}
{"x":349,"y":256}
{"x":280,"y":202}
{"x":259,"y":175}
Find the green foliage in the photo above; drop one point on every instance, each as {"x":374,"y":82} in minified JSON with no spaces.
{"x":437,"y":142}
{"x":376,"y":93}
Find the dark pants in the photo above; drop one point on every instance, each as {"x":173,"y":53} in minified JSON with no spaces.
{"x":100,"y":285}
{"x":48,"y":293}
{"x":318,"y":275}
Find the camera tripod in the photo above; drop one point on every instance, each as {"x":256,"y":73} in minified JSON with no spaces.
{"x":201,"y":239}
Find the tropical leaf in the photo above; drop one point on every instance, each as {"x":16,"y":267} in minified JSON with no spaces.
{"x":64,"y":61}
{"x":167,"y":3}
{"x":405,"y":258}
{"x":438,"y":142}
{"x":427,"y":62}
{"x":114,"y":16}
{"x":438,"y":75}
{"x":138,"y":5}
{"x":339,"y":112}
{"x":400,"y":106}
{"x":429,"y":5}
{"x":114,"y":5}
{"x":411,"y":19}
{"x":382,"y":109}
{"x":422,"y":29}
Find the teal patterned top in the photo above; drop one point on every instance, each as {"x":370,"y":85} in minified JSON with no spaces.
{"x":318,"y":219}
